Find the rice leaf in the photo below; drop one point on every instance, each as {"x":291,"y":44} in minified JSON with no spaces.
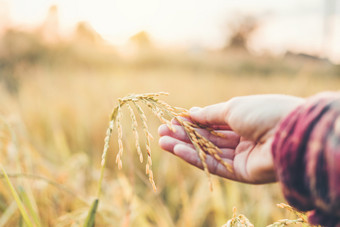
{"x":21,"y":207}
{"x":90,"y":219}
{"x":34,"y":214}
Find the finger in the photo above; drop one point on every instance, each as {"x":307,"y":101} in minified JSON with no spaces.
{"x":214,"y":126}
{"x":210,"y":115}
{"x":190,"y":155}
{"x":229,"y":138}
{"x":220,"y":127}
{"x":168,"y":143}
{"x":175,"y":121}
{"x":179,"y":132}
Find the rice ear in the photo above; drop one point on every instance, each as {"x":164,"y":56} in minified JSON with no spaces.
{"x":163,"y":111}
{"x":135,"y":132}
{"x":120,"y":138}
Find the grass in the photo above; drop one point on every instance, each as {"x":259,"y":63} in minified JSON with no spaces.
{"x":55,"y":125}
{"x":240,"y":220}
{"x":20,"y":205}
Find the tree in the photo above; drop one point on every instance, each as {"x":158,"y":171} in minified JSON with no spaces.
{"x":141,"y":40}
{"x":241,"y":30}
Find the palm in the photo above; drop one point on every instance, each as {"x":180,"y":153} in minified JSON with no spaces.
{"x":248,"y":123}
{"x":243,"y":154}
{"x":248,"y":155}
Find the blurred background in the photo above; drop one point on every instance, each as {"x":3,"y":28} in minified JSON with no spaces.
{"x":63,"y":65}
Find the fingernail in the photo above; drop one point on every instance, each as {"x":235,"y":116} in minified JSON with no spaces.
{"x":195,"y":109}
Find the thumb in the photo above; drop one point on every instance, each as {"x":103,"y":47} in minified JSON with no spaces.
{"x":210,"y":115}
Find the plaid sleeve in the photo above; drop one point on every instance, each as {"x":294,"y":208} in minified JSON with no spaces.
{"x":306,"y":153}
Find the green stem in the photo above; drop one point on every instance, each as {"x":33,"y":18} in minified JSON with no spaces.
{"x":21,"y":207}
{"x":100,"y":182}
{"x":48,"y":181}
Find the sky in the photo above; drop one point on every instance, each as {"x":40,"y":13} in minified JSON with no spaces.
{"x":297,"y":25}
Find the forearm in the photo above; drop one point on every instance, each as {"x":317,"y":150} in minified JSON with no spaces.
{"x":306,"y":153}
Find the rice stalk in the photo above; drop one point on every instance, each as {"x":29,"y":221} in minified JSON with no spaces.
{"x":135,"y":132}
{"x":202,"y":155}
{"x":120,"y":138}
{"x":292,"y":210}
{"x":241,"y":220}
{"x":301,"y":217}
{"x":238,"y":220}
{"x":107,"y":141}
{"x":285,"y":222}
{"x":210,"y":130}
{"x":160,"y":114}
{"x":148,"y":137}
{"x":201,"y":144}
{"x":163,"y":111}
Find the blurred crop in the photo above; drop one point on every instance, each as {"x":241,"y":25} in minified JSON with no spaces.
{"x":56,"y":99}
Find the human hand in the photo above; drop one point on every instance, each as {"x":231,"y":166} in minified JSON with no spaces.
{"x":248,"y":124}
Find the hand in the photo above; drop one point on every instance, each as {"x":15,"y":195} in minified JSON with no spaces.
{"x":248,"y":123}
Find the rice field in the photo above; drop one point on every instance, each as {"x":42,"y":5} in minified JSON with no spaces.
{"x":53,"y":128}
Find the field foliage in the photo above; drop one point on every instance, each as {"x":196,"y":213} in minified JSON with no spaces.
{"x":56,"y":100}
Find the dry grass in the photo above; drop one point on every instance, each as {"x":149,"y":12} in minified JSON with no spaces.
{"x":240,"y":220}
{"x":55,"y":127}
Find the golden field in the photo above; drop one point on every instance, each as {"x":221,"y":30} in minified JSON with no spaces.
{"x":55,"y":108}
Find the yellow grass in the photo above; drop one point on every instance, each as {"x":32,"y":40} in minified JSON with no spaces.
{"x":57,"y":123}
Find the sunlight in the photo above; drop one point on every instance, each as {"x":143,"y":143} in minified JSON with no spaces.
{"x":118,"y":20}
{"x":187,"y":23}
{"x":136,"y":10}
